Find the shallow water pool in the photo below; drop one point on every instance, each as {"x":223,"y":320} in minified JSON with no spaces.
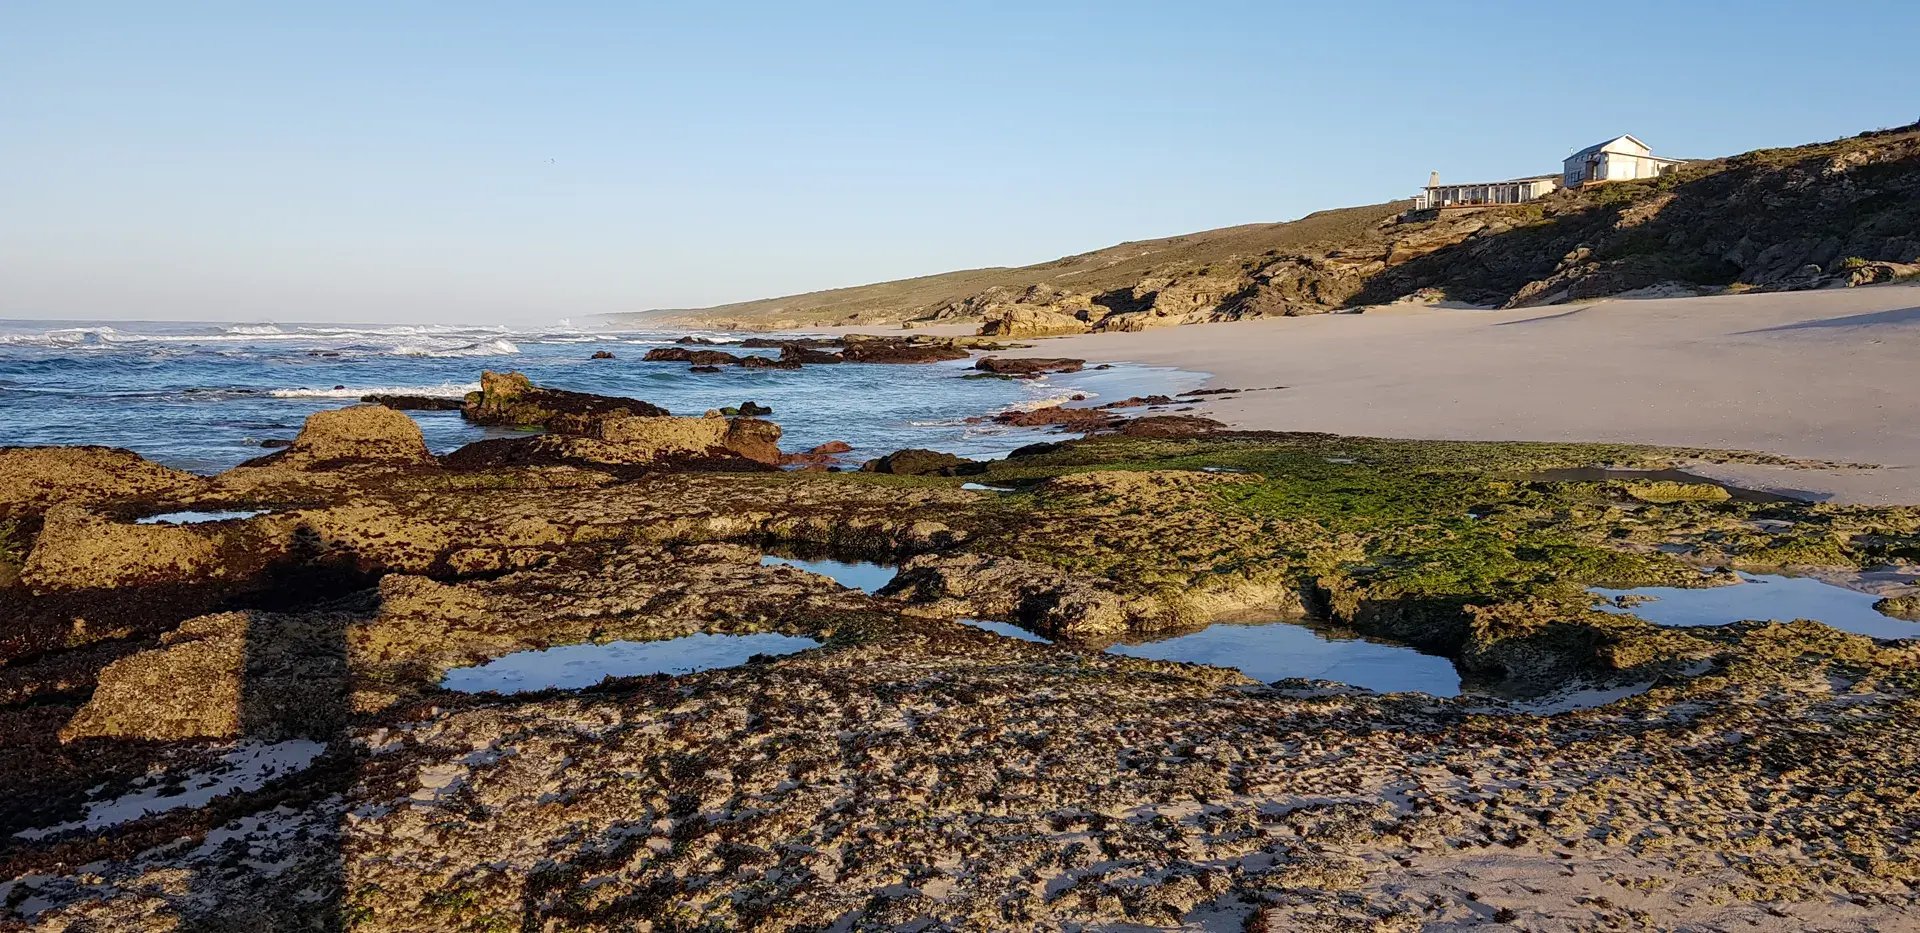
{"x":1762,"y":597}
{"x":571,"y":667}
{"x":1273,"y":651}
{"x":190,"y":517}
{"x":1006,"y":629}
{"x":864,"y":576}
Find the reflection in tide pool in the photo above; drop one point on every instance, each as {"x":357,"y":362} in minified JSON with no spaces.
{"x":573,"y":666}
{"x":1762,"y":598}
{"x":860,"y":575}
{"x":1007,"y":629}
{"x":195,"y":518}
{"x":1278,"y":650}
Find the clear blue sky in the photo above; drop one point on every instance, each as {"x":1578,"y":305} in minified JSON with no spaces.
{"x":492,"y":161}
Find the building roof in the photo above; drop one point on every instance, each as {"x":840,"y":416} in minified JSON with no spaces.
{"x":1596,"y":147}
{"x":1506,"y":181}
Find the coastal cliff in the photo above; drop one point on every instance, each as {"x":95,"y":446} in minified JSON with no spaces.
{"x":1827,"y":214}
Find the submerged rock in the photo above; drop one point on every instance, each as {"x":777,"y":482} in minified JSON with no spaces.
{"x":414,"y":402}
{"x":601,"y":355}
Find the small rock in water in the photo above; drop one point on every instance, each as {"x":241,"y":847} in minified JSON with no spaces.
{"x":601,"y":355}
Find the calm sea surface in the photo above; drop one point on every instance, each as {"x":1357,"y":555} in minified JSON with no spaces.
{"x":203,"y":396}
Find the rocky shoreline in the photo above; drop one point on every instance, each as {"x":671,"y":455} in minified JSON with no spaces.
{"x":913,"y":770}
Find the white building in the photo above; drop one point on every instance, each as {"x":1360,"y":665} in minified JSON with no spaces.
{"x":1483,"y":193}
{"x":1618,"y":159}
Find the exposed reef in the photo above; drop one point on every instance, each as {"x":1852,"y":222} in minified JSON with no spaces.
{"x":913,"y":770}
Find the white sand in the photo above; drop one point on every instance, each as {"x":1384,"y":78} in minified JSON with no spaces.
{"x":1826,"y":375}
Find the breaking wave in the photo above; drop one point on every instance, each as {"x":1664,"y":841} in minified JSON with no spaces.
{"x":443,"y":390}
{"x":500,"y":347}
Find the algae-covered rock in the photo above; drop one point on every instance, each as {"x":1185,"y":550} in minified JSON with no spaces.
{"x":78,"y":549}
{"x":352,"y":435}
{"x":513,"y":399}
{"x":34,"y":478}
{"x":1669,"y":491}
{"x":256,"y":674}
{"x":636,"y":440}
{"x":917,"y":462}
{"x":1900,"y":607}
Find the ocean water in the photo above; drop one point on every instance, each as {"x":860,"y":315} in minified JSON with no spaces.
{"x":203,"y":396}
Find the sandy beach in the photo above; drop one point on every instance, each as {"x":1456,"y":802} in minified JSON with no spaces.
{"x":1822,"y":375}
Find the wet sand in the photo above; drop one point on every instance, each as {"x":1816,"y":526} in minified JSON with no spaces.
{"x":1827,"y":375}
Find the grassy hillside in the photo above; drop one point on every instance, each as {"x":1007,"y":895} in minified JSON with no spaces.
{"x":1833,"y":213}
{"x":1115,"y":267}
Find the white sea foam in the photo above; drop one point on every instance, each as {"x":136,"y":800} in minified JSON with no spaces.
{"x":443,"y":390}
{"x":501,"y":347}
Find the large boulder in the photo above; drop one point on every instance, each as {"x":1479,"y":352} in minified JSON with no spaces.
{"x":513,"y":399}
{"x":33,"y":479}
{"x":359,"y":434}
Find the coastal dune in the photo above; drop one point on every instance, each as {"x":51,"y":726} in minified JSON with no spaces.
{"x":1821,"y":376}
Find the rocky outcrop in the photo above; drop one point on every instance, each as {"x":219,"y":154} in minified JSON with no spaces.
{"x":257,"y":674}
{"x":513,"y":399}
{"x":1050,"y":601}
{"x":1074,"y":419}
{"x":1028,"y":366}
{"x":34,"y":478}
{"x":866,"y":349}
{"x":82,"y":550}
{"x":655,"y":442}
{"x":916,"y":462}
{"x":684,"y":355}
{"x":1030,"y":322}
{"x":821,"y":457}
{"x":800,"y":353}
